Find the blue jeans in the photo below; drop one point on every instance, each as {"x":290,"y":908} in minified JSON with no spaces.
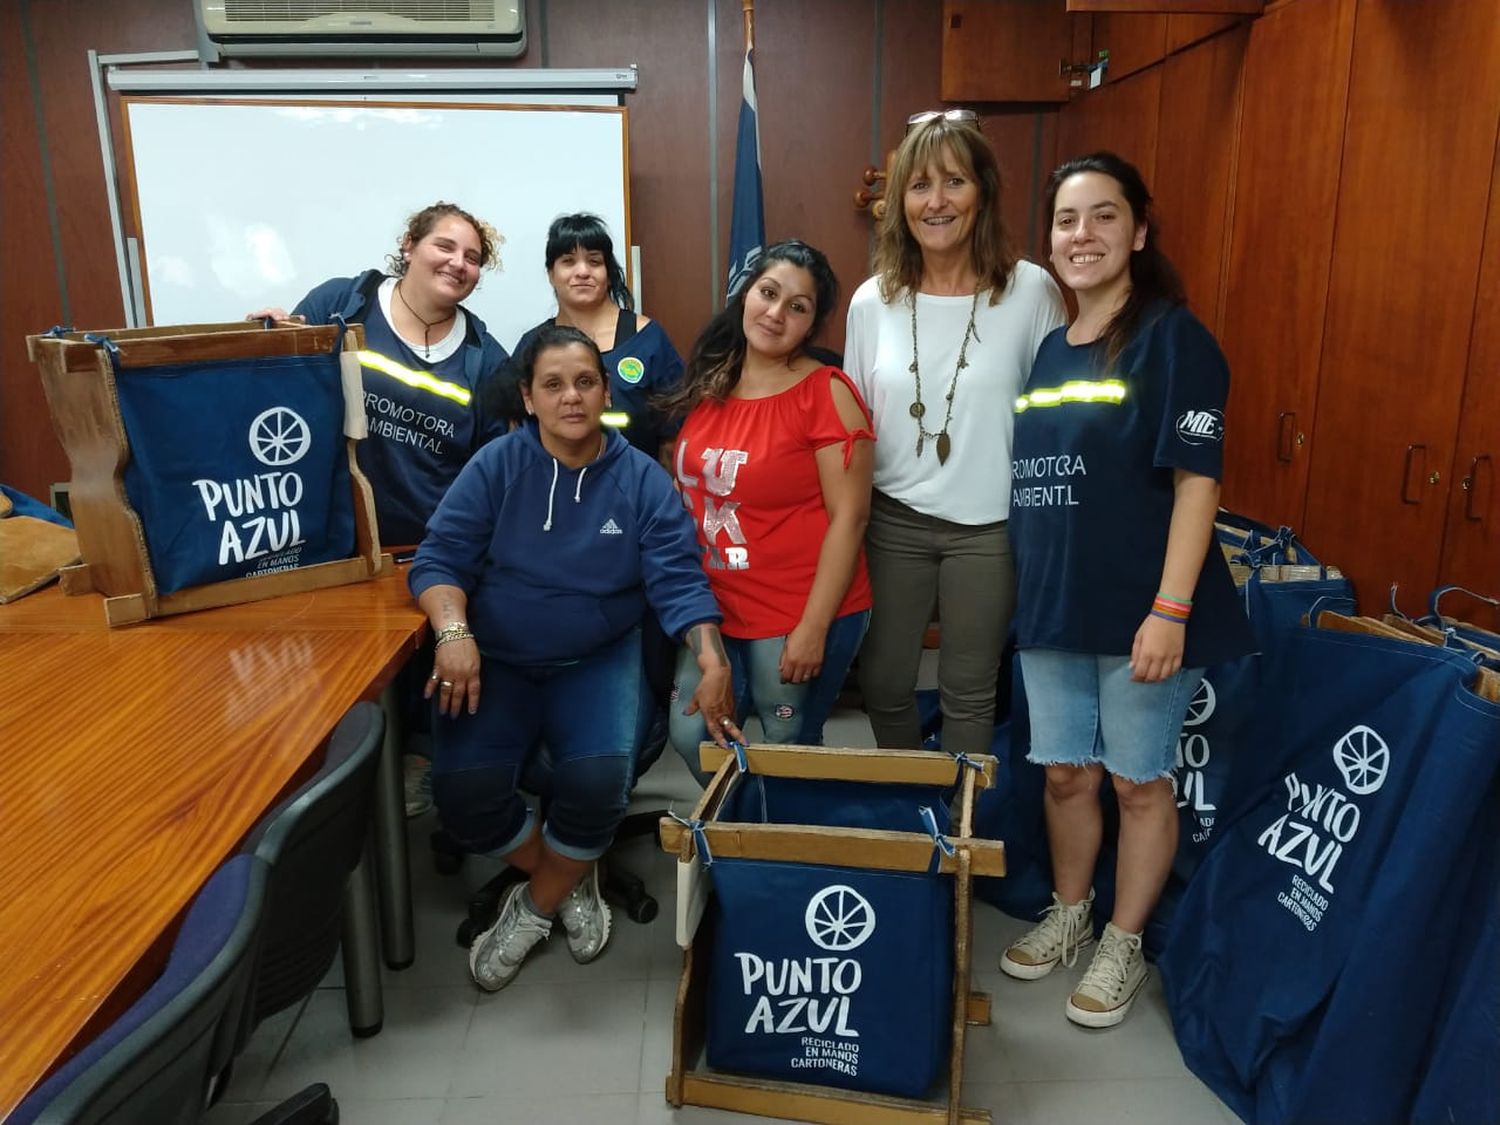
{"x":789,"y":713}
{"x":1086,"y":710}
{"x":593,"y":715}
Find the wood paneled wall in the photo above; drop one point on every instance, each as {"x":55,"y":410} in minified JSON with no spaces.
{"x":836,"y":81}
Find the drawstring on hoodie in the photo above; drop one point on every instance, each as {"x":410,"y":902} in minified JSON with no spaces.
{"x":551,"y":492}
{"x":548,"y":525}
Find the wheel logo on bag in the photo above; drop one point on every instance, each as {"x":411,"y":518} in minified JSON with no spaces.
{"x":1363,"y":758}
{"x":1201,"y":706}
{"x":839,"y":918}
{"x":279,"y":436}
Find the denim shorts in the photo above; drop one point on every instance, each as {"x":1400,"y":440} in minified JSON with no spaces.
{"x":1086,"y":710}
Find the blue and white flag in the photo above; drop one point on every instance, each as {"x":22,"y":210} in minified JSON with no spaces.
{"x":747,"y":223}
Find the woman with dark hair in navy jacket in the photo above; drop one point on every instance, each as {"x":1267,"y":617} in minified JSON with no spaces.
{"x":539,"y":567}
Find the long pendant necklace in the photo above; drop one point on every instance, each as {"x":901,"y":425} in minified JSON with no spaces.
{"x":427,"y":325}
{"x":918,"y":409}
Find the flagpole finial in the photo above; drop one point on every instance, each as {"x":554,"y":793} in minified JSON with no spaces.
{"x":747,"y":10}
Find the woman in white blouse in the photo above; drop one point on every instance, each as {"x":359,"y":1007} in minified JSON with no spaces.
{"x":940,"y":342}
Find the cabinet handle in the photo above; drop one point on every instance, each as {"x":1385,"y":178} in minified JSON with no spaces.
{"x":1406,"y":472}
{"x":1286,"y":427}
{"x":1469,"y":488}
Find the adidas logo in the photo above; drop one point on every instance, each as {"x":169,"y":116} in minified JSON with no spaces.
{"x":611,"y":528}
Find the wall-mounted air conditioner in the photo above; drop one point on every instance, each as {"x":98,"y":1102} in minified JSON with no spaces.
{"x":397,"y":28}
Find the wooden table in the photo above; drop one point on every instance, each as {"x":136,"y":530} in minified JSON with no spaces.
{"x":135,"y":761}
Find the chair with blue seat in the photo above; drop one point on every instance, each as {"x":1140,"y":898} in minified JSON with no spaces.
{"x":321,"y":888}
{"x":155,"y":1065}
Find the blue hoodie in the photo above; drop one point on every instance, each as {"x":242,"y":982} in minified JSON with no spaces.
{"x":557,"y":562}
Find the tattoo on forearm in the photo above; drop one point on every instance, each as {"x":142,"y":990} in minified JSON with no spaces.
{"x":701,"y":638}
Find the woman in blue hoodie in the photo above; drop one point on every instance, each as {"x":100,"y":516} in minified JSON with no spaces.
{"x":537,"y":570}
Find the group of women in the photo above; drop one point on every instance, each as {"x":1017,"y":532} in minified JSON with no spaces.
{"x":977,"y":457}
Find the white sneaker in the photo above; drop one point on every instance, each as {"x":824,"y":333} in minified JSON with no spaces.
{"x":1065,"y":928}
{"x":496,"y":955}
{"x":585,"y":917}
{"x":417,"y":783}
{"x":1104,"y":995}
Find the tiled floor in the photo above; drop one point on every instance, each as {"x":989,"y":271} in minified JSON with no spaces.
{"x":584,"y":1044}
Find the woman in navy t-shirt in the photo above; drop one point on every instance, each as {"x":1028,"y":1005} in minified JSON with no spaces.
{"x":1123,"y":596}
{"x":642,"y":364}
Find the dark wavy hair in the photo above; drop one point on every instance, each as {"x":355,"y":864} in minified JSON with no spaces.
{"x":898,"y":256}
{"x":1153,"y":277}
{"x":713,"y":369}
{"x":419,"y":225}
{"x":570,"y":232}
{"x":555,"y":336}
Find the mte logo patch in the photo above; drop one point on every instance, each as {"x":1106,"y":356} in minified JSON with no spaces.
{"x":1199,"y":427}
{"x":631,"y":369}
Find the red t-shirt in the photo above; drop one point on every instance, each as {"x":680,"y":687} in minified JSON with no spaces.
{"x":748,"y":472}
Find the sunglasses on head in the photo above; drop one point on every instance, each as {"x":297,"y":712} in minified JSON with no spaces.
{"x":955,"y":116}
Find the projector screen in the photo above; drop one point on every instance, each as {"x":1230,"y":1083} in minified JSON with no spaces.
{"x":241,"y":204}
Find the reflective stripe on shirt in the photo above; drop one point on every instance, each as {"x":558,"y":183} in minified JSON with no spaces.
{"x":421,"y":380}
{"x":1075,"y":390}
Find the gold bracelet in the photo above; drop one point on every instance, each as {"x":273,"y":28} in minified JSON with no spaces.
{"x":458,"y":631}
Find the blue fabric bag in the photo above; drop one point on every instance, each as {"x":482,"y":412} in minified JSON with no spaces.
{"x":237,"y":467}
{"x":1325,"y":918}
{"x":1460,"y":1080}
{"x":833,"y":976}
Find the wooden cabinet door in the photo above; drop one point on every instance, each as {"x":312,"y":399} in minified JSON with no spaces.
{"x":1194,"y":164}
{"x":1134,"y":42}
{"x":1184,"y":30}
{"x":1471,"y":542}
{"x":1292,"y":104}
{"x":1408,"y":229}
{"x":1005,"y":51}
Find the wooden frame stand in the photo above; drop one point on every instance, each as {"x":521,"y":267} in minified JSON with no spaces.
{"x":689,"y":1084}
{"x":79,"y":382}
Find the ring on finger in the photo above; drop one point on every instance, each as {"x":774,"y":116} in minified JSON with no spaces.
{"x":445,"y":683}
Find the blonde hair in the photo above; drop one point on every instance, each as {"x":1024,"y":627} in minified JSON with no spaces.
{"x":898,"y":256}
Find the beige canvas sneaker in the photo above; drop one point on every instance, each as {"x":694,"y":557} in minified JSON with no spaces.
{"x":1112,"y":982}
{"x":1065,"y":928}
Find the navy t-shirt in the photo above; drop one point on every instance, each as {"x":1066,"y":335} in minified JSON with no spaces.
{"x":425,"y":420}
{"x":424,"y":425}
{"x":1091,"y":489}
{"x":641,"y":365}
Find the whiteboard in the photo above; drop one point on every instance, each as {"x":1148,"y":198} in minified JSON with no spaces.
{"x":244,"y":204}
